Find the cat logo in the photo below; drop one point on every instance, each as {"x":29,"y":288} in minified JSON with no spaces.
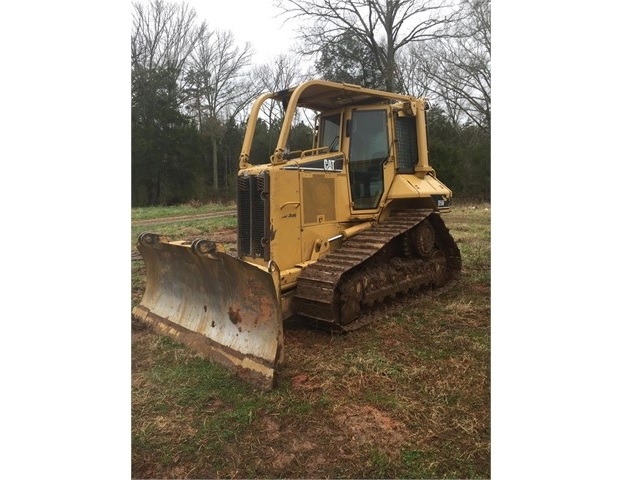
{"x":329,"y":165}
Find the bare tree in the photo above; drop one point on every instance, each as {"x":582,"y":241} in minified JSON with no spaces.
{"x":219,"y":88}
{"x":382,"y":26}
{"x":163,"y":35}
{"x":281,"y":73}
{"x":414,"y":78}
{"x":458,"y":67}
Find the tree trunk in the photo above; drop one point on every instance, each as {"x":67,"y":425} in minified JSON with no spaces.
{"x":215,"y":166}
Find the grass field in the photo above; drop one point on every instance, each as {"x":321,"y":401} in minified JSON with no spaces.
{"x":146,"y":213}
{"x":407,"y":396}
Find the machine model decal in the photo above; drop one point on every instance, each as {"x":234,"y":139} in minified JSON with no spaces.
{"x":332,"y":164}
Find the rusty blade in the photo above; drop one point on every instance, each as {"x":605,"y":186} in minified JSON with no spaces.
{"x":224,"y":308}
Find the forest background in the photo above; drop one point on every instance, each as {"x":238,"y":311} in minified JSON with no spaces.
{"x":191,"y":87}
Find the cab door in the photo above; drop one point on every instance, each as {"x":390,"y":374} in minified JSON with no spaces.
{"x":368,"y":152}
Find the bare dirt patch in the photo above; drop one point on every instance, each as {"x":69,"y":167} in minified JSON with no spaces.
{"x":224,"y":235}
{"x":407,"y":396}
{"x":368,"y":426}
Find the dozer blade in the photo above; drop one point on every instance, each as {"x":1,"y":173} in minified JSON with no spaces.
{"x":224,"y":308}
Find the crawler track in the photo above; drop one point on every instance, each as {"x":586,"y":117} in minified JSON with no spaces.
{"x":411,"y":250}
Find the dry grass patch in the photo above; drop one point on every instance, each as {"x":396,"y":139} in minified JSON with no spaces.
{"x":408,"y":396}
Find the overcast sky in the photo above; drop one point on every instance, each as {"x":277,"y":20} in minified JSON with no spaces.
{"x":255,"y":21}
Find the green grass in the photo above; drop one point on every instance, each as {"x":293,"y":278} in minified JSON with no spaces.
{"x":407,"y":396}
{"x":193,"y":208}
{"x":190,"y":408}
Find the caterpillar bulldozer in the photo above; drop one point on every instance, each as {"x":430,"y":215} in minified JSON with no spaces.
{"x":325,"y":233}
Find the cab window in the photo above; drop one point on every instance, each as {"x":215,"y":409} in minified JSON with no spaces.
{"x":329,"y":132}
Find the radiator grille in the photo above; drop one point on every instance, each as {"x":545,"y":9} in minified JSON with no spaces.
{"x":252,"y":202}
{"x":407,"y":142}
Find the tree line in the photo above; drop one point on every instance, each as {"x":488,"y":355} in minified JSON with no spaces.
{"x":191,"y":87}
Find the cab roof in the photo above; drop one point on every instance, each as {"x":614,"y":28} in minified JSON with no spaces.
{"x":321,"y":95}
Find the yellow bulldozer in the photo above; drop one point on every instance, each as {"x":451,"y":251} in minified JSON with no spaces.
{"x":325,"y":233}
